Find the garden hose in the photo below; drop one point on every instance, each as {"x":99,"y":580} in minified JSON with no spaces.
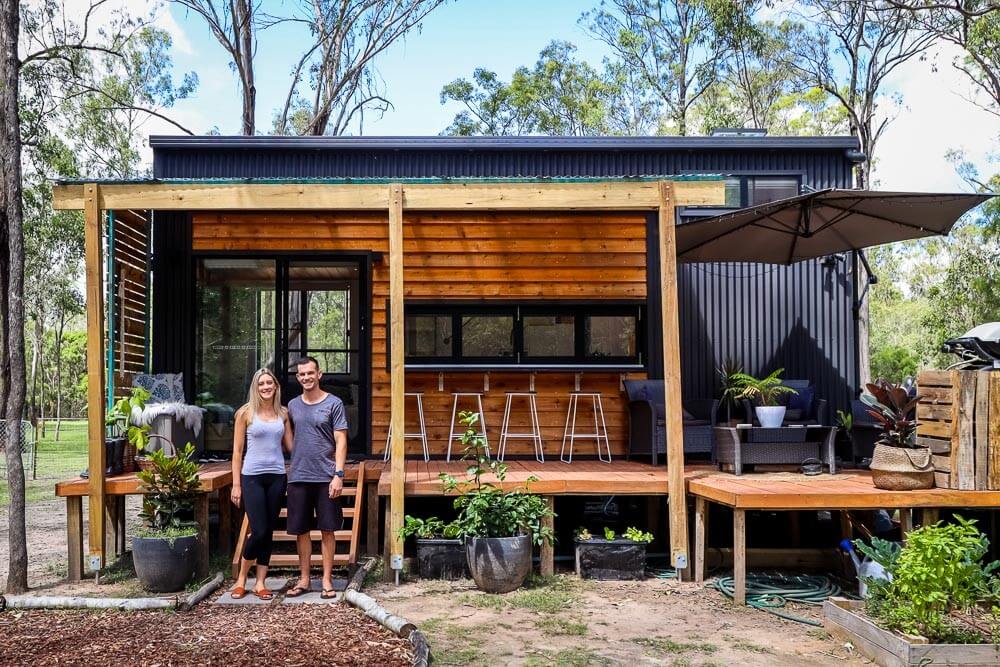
{"x":659,"y":568}
{"x":770,"y":592}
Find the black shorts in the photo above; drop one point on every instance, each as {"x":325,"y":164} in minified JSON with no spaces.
{"x":310,"y":507}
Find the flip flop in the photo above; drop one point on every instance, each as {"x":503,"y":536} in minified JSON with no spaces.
{"x":264,"y":594}
{"x":238,"y":593}
{"x":296,"y":592}
{"x":323,"y":595}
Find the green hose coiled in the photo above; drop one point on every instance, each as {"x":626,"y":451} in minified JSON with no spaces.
{"x":770,"y":592}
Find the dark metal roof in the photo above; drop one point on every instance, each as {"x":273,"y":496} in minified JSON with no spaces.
{"x":499,"y":143}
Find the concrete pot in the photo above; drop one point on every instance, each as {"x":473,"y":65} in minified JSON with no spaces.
{"x":770,"y":416}
{"x":900,"y":469}
{"x":162,"y":564}
{"x":499,"y":564}
{"x":439,"y":558}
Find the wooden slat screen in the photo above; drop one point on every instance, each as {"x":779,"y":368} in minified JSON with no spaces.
{"x":131,"y":297}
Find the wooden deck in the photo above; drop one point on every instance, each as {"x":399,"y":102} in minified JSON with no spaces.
{"x":844,"y":491}
{"x":580,"y":478}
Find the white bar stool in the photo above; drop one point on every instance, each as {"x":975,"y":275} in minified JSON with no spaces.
{"x":599,"y":435}
{"x":421,"y":435}
{"x":454,"y":435}
{"x":535,"y":435}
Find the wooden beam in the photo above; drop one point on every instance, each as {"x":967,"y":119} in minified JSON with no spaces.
{"x":994,"y":435}
{"x":588,"y":196}
{"x":672,"y":379}
{"x":397,"y":401}
{"x":74,"y":537}
{"x":740,"y":556}
{"x":95,"y":372}
{"x":547,"y":552}
{"x":700,"y":537}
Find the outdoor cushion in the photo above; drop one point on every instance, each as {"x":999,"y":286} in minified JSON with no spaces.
{"x":647,"y":390}
{"x":793,"y":414}
{"x":803,"y":400}
{"x":163,"y":387}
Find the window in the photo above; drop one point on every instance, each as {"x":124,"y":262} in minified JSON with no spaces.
{"x":743,"y":191}
{"x":558,"y":334}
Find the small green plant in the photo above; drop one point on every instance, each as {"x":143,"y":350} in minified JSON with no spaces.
{"x":609,"y":534}
{"x":939,"y":572}
{"x":428,"y":528}
{"x":764,"y":390}
{"x":120,"y":417}
{"x":894,"y":410}
{"x":582,"y":534}
{"x":170,"y":487}
{"x":485,"y":509}
{"x":727,"y":373}
{"x":845,"y":421}
{"x":636,"y":535}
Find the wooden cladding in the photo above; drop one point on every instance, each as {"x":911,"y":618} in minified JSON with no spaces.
{"x":130,"y":292}
{"x":470,"y":256}
{"x":959,"y":415}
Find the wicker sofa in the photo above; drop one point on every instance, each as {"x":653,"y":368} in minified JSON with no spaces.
{"x":647,"y":428}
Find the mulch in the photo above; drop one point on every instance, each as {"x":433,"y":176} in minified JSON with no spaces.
{"x":209,"y":635}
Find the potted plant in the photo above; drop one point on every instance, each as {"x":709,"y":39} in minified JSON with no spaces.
{"x":898,"y":463}
{"x":764,"y":393}
{"x":440,"y":554}
{"x":164,"y":549}
{"x":498,"y":526}
{"x":612,"y":557}
{"x":727,"y":383}
{"x":939,"y":602}
{"x":123,"y":448}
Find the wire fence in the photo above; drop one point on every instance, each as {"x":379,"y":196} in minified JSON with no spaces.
{"x":27,"y":445}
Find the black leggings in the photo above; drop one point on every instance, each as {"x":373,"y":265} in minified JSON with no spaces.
{"x":262,"y":498}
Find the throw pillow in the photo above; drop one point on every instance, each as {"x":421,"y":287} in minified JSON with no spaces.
{"x":803,"y":400}
{"x":162,"y":387}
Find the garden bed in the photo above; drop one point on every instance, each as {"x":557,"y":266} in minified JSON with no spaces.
{"x":209,"y":635}
{"x":845,"y":619}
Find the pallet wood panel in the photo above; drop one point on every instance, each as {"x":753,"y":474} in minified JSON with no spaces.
{"x":558,"y":255}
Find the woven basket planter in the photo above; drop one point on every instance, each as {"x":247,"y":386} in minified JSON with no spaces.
{"x":901,"y":469}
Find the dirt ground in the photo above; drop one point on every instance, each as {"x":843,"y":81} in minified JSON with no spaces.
{"x":569,"y":621}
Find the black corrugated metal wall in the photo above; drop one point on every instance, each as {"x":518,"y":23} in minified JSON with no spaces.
{"x":762,"y":316}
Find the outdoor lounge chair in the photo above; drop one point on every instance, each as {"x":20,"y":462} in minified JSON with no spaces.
{"x":803,"y":408}
{"x":647,"y":427}
{"x":865,"y":432}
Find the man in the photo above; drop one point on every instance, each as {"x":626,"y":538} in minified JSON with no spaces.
{"x":316,"y":474}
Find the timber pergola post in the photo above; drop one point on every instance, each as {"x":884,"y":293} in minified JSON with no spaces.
{"x":397,"y":380}
{"x":95,"y":375}
{"x":672,"y":379}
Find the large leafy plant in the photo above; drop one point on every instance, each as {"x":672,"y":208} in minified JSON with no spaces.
{"x":764,"y":390}
{"x":894,"y":411}
{"x":428,"y":528}
{"x":727,"y":373}
{"x":939,"y":572}
{"x":170,"y":487}
{"x":120,"y":417}
{"x":485,"y":509}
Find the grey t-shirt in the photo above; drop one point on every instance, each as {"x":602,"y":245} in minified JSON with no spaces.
{"x":313,"y":446}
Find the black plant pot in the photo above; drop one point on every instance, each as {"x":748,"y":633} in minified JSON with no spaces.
{"x":441,"y":559}
{"x":114,"y":451}
{"x":610,"y":559}
{"x":499,"y":564}
{"x":164,"y":564}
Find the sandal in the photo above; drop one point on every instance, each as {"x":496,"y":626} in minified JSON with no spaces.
{"x":296,"y":592}
{"x":332,"y":594}
{"x":238,"y":593}
{"x":264,"y":594}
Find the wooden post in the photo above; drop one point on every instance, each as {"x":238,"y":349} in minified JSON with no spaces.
{"x":397,"y":378}
{"x":739,"y":556}
{"x":547,"y":552}
{"x":700,"y":537}
{"x":372,"y":523}
{"x":95,"y":375}
{"x":929,"y":516}
{"x":905,"y":522}
{"x":982,"y":429}
{"x":74,"y":537}
{"x":672,"y":380}
{"x":994,"y":432}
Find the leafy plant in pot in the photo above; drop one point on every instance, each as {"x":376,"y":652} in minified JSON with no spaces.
{"x":130,"y":439}
{"x":727,"y":373}
{"x":440,"y":554}
{"x":498,"y":526}
{"x":164,"y":549}
{"x":898,"y":463}
{"x":764,"y":392}
{"x":613,"y":557}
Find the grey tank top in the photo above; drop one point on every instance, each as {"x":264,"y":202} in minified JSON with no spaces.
{"x":263,"y":452}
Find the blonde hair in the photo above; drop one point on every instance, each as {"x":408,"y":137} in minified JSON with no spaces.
{"x":255,"y":403}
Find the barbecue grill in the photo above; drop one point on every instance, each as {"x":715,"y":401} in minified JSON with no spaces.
{"x":978,"y":348}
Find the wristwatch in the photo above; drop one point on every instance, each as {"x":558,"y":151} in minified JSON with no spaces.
{"x":339,"y":473}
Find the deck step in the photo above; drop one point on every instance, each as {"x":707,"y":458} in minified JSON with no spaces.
{"x":348,"y":512}
{"x":314,"y":535}
{"x":292,"y":560}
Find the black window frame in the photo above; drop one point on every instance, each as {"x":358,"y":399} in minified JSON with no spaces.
{"x":517,"y":311}
{"x":744,"y":179}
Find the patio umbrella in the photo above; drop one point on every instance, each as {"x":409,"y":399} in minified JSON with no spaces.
{"x":819,"y":224}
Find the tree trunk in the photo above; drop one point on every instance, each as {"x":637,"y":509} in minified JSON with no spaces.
{"x":243,"y":28}
{"x":34,"y":400}
{"x":58,"y":352}
{"x":13,"y":256}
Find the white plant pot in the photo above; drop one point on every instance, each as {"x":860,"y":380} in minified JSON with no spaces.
{"x":770,"y":416}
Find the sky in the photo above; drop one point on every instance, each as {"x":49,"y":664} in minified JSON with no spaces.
{"x":935,"y":116}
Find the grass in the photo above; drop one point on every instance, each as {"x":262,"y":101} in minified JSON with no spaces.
{"x":544,"y":595}
{"x":668,"y":645}
{"x":56,"y":461}
{"x":746,"y":645}
{"x":571,"y":657}
{"x":561,"y":626}
{"x":451,"y":644}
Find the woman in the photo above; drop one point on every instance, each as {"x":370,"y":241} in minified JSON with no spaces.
{"x":259,"y":474}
